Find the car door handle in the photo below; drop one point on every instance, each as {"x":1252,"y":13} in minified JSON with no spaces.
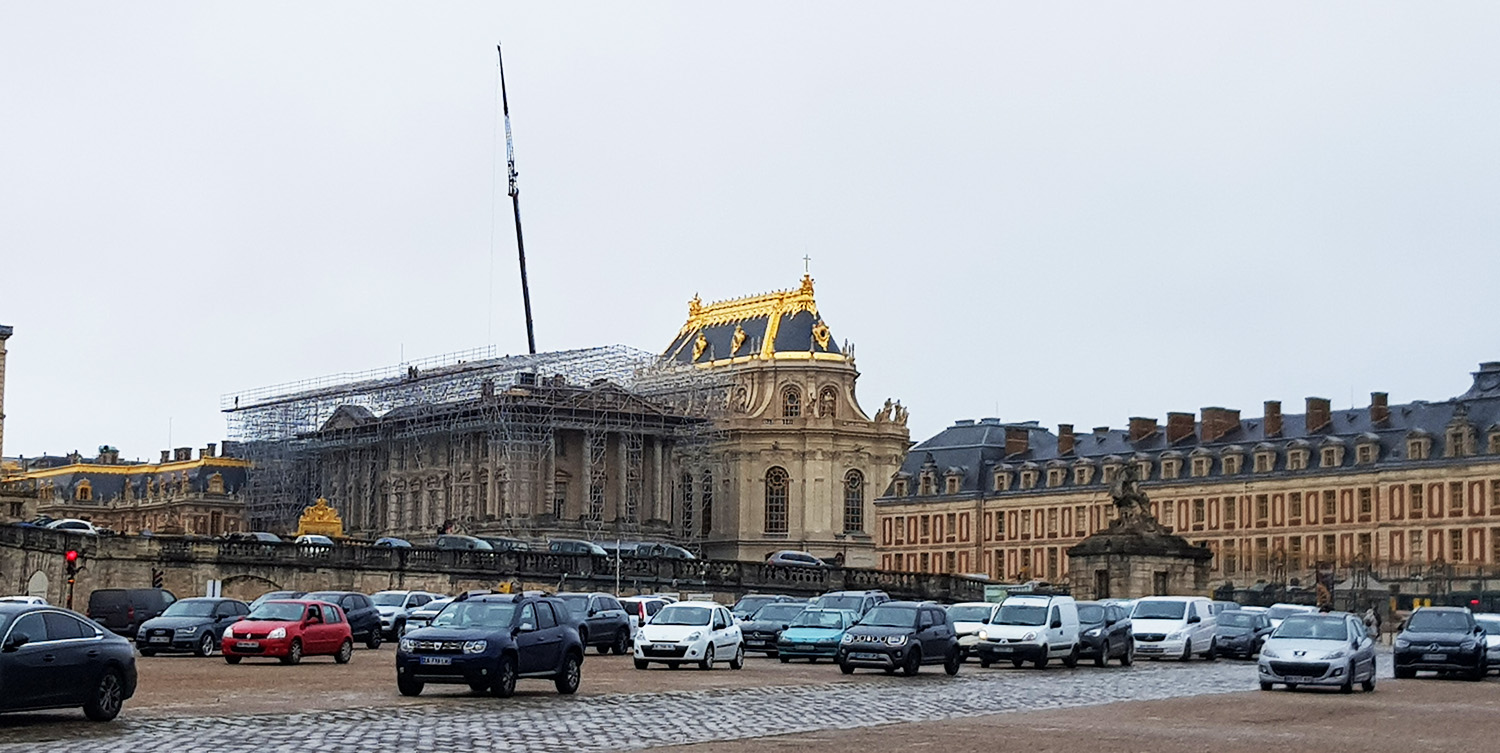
{"x":93,"y":653}
{"x":48,"y":657}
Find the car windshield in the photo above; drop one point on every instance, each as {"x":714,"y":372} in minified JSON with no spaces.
{"x":1491,"y":625}
{"x":818,"y":618}
{"x":468,"y":614}
{"x":263,"y":598}
{"x":1313,"y":627}
{"x":278,"y":611}
{"x":1236,"y":619}
{"x":1090,"y":614}
{"x":969,"y":614}
{"x":885,"y":616}
{"x":749,"y":604}
{"x":436,"y":606}
{"x":778,"y":612}
{"x":1424,"y":621}
{"x":190,"y":609}
{"x":577,"y":603}
{"x":393,"y":599}
{"x":1021,"y":614}
{"x":1281,"y":613}
{"x":1158,"y":610}
{"x":840,"y":602}
{"x":682,"y":615}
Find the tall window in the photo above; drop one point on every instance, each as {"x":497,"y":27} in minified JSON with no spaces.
{"x":791,"y":402}
{"x":706,"y":521}
{"x":854,"y":502}
{"x":777,"y":485}
{"x":685,"y":490}
{"x":828,"y":403}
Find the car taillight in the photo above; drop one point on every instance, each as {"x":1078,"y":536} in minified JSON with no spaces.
{"x":641,"y":607}
{"x":130,"y":615}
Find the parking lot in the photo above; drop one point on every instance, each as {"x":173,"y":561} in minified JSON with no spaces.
{"x":189,"y":704}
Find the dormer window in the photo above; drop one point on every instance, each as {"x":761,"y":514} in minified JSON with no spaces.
{"x":216,"y":484}
{"x":1171,"y":468}
{"x":1028,"y":479}
{"x":1493,"y":447}
{"x":951,"y":484}
{"x":1296,"y":460}
{"x":1332,"y":457}
{"x":900,"y":487}
{"x":1201,"y":466}
{"x":1083,"y":474}
{"x":1232,"y":463}
{"x":1143,"y":469}
{"x":1418,"y":447}
{"x":929,"y":485}
{"x":84,"y":492}
{"x":1265,"y":461}
{"x":1002,"y":481}
{"x":1365,"y":453}
{"x":1460,"y":442}
{"x":1054,"y":477}
{"x":1112,"y":466}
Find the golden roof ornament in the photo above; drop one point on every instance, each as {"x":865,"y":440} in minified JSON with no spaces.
{"x":699,"y":345}
{"x":320,"y":518}
{"x":820,"y":334}
{"x":739,"y":339}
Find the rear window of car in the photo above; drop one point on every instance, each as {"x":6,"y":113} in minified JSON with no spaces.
{"x":1090,"y":614}
{"x":1438,"y":622}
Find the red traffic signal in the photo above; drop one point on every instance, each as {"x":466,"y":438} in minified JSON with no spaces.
{"x":72,"y":555}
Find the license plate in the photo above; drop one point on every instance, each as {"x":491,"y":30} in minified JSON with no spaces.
{"x":247,"y":644}
{"x":1002,"y":649}
{"x":161,"y":639}
{"x":866,"y":657}
{"x":662,"y":646}
{"x":437,"y":661}
{"x":1296,"y":679}
{"x":755,"y":643}
{"x":1434,"y":657}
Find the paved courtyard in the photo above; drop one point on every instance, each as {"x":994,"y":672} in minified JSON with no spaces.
{"x":767,"y":698}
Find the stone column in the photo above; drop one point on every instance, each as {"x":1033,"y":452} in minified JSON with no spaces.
{"x":660,"y":474}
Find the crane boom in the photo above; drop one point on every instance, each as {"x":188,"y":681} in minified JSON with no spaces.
{"x":515,"y":201}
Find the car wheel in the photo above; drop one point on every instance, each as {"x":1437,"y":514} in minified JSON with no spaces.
{"x":846,"y":668}
{"x":293,"y":654}
{"x":985,"y":662}
{"x":148,"y":652}
{"x":1368,"y":685}
{"x":571,"y":676}
{"x":205,"y":645}
{"x":1042,"y":662}
{"x":1479,"y":672}
{"x":622,"y":643}
{"x":738,"y":662}
{"x":107,"y":699}
{"x":955,"y":660}
{"x":1071,"y":660}
{"x":602,"y":649}
{"x":913,"y":663}
{"x":346,"y":652}
{"x":1213,"y":651}
{"x":642,"y":664}
{"x":1348,"y":686}
{"x":232,"y":659}
{"x":397,"y":628}
{"x":372,"y":641}
{"x":504,"y":685}
{"x":1128,"y":658}
{"x":1187,"y":651}
{"x":1102,"y":658}
{"x":708,"y":658}
{"x":1265,"y":686}
{"x":1403,"y":673}
{"x":408,"y":687}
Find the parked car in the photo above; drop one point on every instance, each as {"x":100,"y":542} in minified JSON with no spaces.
{"x":1279,"y":612}
{"x":264,"y":537}
{"x":277,"y":595}
{"x":662,"y":550}
{"x":488,"y":642}
{"x":1441,"y":639}
{"x":575,"y":546}
{"x":1241,"y":634}
{"x":392,"y":542}
{"x":700,"y":631}
{"x":968,"y":618}
{"x":54,"y":658}
{"x":1319,"y":649}
{"x":290,"y":630}
{"x":24,"y":600}
{"x":314,"y":539}
{"x":601,"y":621}
{"x":761,"y":631}
{"x":813,"y":634}
{"x":194,"y":625}
{"x":641,"y":609}
{"x":858,"y":602}
{"x":74,"y":525}
{"x":900,"y":635}
{"x":396,"y":606}
{"x":794,"y":558}
{"x":359,"y":611}
{"x":1220,"y":606}
{"x":422,"y":616}
{"x":508,"y":544}
{"x":1491,"y":625}
{"x":1034,"y":628}
{"x":122,"y":610}
{"x":1104,"y":633}
{"x":1177,"y":626}
{"x":749,"y":604}
{"x":457,"y":542}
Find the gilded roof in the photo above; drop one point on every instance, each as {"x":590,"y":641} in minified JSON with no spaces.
{"x":779,"y":324}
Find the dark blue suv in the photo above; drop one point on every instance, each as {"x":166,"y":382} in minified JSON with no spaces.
{"x":488,"y":641}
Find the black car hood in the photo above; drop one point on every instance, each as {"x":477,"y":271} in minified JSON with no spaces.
{"x":176,"y":622}
{"x":1231,"y":630}
{"x":458,"y":634}
{"x":875,"y":631}
{"x":763,"y":626}
{"x":1442,"y":639}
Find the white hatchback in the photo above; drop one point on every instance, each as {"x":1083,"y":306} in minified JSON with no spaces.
{"x":690,"y":631}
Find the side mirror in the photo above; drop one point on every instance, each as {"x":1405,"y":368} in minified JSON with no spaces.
{"x":15,"y":642}
{"x":1056,"y":624}
{"x":1194,"y":619}
{"x":1479,"y":630}
{"x":527,"y":627}
{"x":1108,"y":622}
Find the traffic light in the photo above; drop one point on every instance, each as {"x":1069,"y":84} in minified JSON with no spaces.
{"x":72,"y":558}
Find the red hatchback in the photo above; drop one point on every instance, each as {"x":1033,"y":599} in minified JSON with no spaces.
{"x":289,"y":630}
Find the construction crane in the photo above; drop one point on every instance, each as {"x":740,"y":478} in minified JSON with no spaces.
{"x":515,"y":202}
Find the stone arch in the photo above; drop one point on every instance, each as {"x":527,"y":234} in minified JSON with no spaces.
{"x":38,"y":584}
{"x":246,"y":586}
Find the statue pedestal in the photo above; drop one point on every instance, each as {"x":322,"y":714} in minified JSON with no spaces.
{"x":1136,"y":557}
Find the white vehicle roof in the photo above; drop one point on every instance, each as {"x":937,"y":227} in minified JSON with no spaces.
{"x":1171,"y":598}
{"x":975,"y":604}
{"x":708,"y":604}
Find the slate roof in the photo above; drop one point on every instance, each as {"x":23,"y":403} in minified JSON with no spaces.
{"x":977,"y":447}
{"x":788,"y":319}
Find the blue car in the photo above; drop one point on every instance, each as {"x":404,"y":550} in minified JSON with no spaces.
{"x":489,"y":641}
{"x":814,"y":634}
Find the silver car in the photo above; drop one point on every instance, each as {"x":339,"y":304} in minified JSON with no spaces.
{"x":1491,"y":625}
{"x":1319,"y":649}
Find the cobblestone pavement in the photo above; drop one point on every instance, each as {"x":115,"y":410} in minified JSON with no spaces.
{"x":546,"y":721}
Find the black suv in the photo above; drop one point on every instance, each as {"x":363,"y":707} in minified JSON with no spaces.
{"x":601,"y":619}
{"x":359,"y":609}
{"x":487,"y":642}
{"x":1241,"y":634}
{"x":763,"y":629}
{"x":1104,"y":633}
{"x":1442,"y":639}
{"x":901,"y":635}
{"x":122,"y":610}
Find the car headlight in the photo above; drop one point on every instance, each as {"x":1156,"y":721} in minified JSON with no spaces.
{"x":693,"y":637}
{"x":141,"y":635}
{"x":1029,"y":637}
{"x":847,"y":639}
{"x":407,"y":645}
{"x":984,"y":635}
{"x":895,"y":640}
{"x":1402,"y":643}
{"x":229,"y":632}
{"x":186,"y":632}
{"x":1331,"y":655}
{"x":276,"y":634}
{"x":1269,"y":654}
{"x":1469,"y":645}
{"x":1092,"y":633}
{"x":474,"y":647}
{"x":1177,"y":636}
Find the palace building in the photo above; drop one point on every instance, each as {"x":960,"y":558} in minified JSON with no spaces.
{"x":1396,"y":487}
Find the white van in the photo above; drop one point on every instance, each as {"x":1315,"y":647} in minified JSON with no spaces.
{"x":1175,"y":626}
{"x":1031,"y":628}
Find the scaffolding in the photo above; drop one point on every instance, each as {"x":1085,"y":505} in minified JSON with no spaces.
{"x":488,"y":428}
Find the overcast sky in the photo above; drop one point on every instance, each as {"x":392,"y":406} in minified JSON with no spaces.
{"x":1072,"y":213}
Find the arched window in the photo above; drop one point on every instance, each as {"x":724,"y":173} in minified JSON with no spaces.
{"x":706,"y":496}
{"x":828,"y":403}
{"x":791,"y":402}
{"x":854,"y":502}
{"x":216,"y":484}
{"x":84,"y":492}
{"x":685,"y":490}
{"x":777,"y":485}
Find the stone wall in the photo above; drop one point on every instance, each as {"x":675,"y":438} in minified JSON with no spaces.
{"x":1129,"y":576}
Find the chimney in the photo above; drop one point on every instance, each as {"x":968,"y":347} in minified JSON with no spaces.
{"x":212,"y":450}
{"x":1319,"y":414}
{"x":1219,"y":421}
{"x":1065,"y":439}
{"x":183,"y":453}
{"x":1273,"y":418}
{"x":1017,"y":441}
{"x":1179,"y":426}
{"x":1380,"y":409}
{"x":1142,"y":428}
{"x":166,"y":456}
